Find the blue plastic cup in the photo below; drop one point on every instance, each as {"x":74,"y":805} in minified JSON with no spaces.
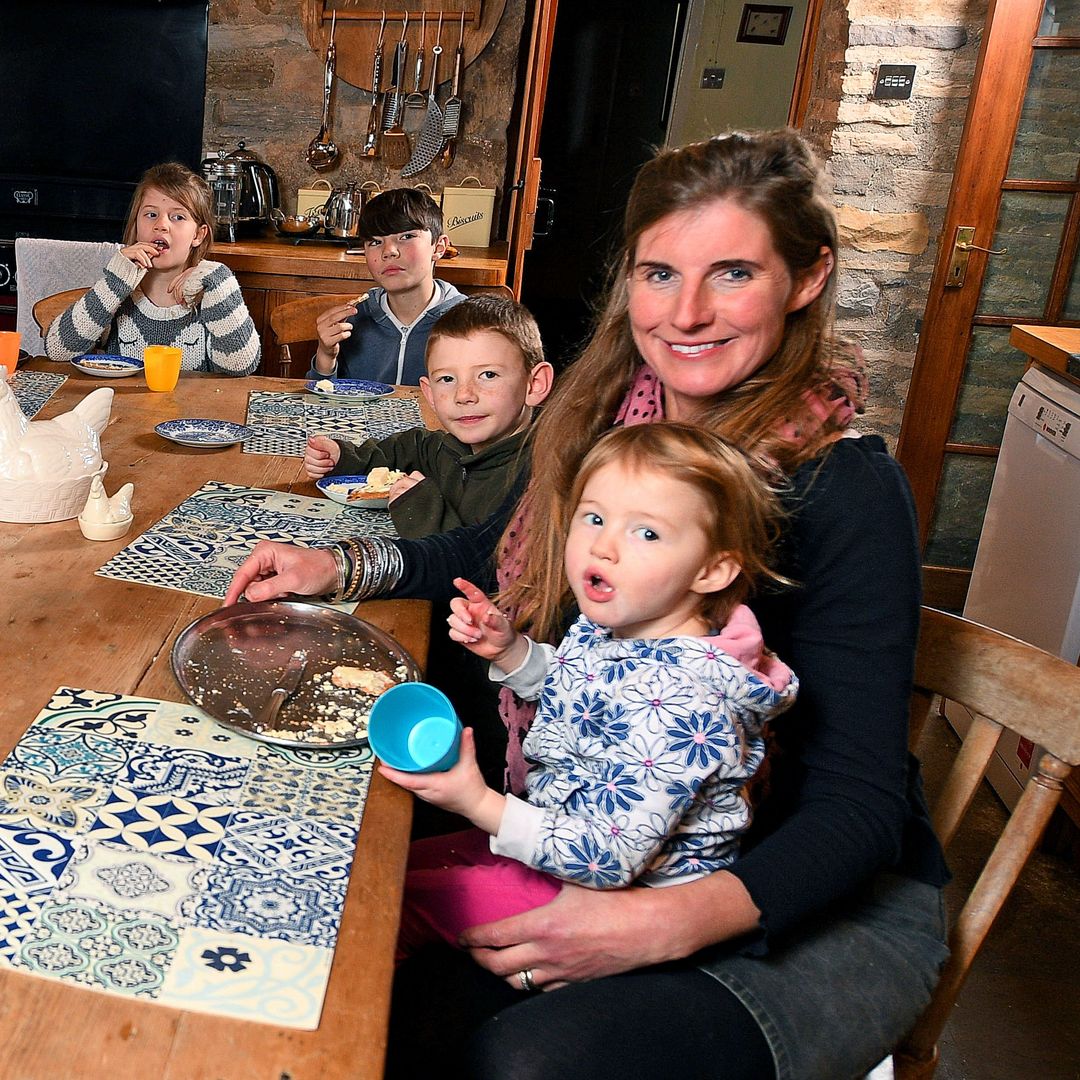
{"x":413,"y":727}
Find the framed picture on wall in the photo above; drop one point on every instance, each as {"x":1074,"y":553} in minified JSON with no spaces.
{"x":764,"y":24}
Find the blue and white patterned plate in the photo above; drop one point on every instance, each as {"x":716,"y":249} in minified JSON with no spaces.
{"x":107,"y":367}
{"x":207,"y":433}
{"x":339,"y":488}
{"x":352,"y":389}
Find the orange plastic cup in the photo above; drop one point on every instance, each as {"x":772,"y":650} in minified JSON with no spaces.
{"x":161,"y":366}
{"x":9,"y":352}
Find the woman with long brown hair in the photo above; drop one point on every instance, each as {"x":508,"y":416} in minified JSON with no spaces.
{"x":813,"y":953}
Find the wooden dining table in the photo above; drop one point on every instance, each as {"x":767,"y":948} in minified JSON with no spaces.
{"x":63,"y":626}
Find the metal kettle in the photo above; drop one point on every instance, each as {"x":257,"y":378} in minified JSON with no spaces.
{"x":342,"y":213}
{"x":258,"y":187}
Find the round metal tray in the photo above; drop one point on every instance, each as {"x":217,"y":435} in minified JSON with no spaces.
{"x":228,"y":662}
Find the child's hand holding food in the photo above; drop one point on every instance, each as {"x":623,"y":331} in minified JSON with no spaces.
{"x":320,"y":455}
{"x":399,"y":487}
{"x":141,"y":254}
{"x":333,"y":328}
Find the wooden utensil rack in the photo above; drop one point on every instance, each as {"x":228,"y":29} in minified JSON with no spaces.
{"x":347,"y":10}
{"x":358,"y":23}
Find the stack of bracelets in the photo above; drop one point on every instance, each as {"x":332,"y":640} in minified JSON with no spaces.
{"x":366,"y":567}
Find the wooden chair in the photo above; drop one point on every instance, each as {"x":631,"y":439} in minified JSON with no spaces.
{"x":1004,"y":683}
{"x":294,"y":322}
{"x":48,"y":307}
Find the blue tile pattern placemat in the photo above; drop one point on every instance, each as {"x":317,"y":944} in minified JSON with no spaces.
{"x":282,"y":422}
{"x":197,"y":547}
{"x":146,"y":851}
{"x":34,"y":388}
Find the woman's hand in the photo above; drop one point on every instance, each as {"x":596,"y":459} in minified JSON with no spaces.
{"x":332,"y":330}
{"x":320,"y":455}
{"x":461,"y":789}
{"x":399,"y":487}
{"x":141,"y":254}
{"x":274,"y":570}
{"x":483,"y":629}
{"x":589,"y":934}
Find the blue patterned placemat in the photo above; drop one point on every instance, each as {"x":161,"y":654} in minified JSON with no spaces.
{"x":148,"y":852}
{"x":34,"y":388}
{"x":197,"y":547}
{"x":282,"y":422}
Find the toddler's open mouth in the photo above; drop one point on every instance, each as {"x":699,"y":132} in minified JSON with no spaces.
{"x":161,"y":245}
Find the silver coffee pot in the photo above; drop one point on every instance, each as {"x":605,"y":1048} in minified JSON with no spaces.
{"x":342,"y":214}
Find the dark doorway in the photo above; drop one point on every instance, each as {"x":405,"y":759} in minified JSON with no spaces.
{"x":612,"y":76}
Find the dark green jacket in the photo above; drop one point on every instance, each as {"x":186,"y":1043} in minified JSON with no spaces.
{"x":461,"y":488}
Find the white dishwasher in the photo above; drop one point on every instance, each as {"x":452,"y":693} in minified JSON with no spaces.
{"x":1026,"y":577}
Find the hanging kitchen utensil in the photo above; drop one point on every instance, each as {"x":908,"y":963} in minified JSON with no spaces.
{"x":322,"y":151}
{"x":392,"y":106}
{"x":430,"y":141}
{"x":416,"y":101}
{"x":452,"y":105}
{"x":395,"y":143}
{"x":371,"y":139}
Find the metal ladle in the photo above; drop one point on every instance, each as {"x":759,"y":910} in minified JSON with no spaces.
{"x":322,"y":151}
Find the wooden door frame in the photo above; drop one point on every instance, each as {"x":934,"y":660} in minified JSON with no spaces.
{"x":994,"y":108}
{"x":804,"y":71}
{"x":525,"y":189}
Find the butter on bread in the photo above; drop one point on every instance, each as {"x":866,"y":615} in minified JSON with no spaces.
{"x":362,"y":679}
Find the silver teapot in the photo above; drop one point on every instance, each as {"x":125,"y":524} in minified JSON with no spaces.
{"x":341,"y":216}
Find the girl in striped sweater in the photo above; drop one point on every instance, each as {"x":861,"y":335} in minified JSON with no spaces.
{"x":159,"y":290}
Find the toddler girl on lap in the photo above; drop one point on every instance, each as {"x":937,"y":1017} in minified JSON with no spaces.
{"x":651,"y":708}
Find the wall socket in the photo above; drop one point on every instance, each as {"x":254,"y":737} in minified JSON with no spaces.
{"x":894,"y":82}
{"x":712,"y":79}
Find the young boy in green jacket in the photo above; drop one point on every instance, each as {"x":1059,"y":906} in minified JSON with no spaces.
{"x":485,"y":374}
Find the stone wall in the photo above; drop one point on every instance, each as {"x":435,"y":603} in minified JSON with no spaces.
{"x":264,"y":85}
{"x":891,"y":168}
{"x":890,"y":161}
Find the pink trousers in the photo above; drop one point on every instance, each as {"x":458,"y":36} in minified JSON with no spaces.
{"x":454,"y":882}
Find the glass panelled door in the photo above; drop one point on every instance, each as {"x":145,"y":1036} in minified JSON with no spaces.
{"x":1022,"y":268}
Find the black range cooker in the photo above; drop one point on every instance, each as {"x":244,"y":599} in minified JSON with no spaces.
{"x":56,"y":209}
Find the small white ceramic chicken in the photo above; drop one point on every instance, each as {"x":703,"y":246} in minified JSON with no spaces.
{"x":65,"y":447}
{"x":103,"y":509}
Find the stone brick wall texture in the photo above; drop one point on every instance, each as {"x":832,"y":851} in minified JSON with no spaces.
{"x":890,"y":164}
{"x":265,"y":86}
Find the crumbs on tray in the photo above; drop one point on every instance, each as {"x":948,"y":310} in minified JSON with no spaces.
{"x":344,"y":699}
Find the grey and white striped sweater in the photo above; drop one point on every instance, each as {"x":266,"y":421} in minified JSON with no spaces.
{"x":212,"y":326}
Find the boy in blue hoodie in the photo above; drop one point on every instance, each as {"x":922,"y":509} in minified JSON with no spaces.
{"x":382,"y":335}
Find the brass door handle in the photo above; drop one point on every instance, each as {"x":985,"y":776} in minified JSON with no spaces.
{"x":975,"y":247}
{"x":961,"y":250}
